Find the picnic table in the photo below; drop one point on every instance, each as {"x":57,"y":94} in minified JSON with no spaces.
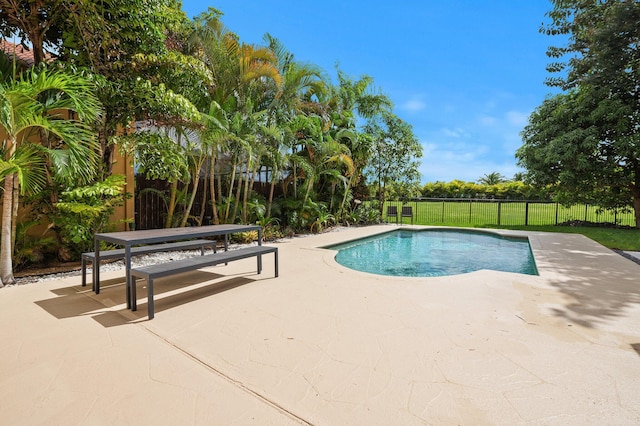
{"x":128,"y":239}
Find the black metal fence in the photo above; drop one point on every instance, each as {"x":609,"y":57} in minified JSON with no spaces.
{"x":152,"y":196}
{"x":151,"y":209}
{"x":430,"y":211}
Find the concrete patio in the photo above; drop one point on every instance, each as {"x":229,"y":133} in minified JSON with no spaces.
{"x":326,"y":345}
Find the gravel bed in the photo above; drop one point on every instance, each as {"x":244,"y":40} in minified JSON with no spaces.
{"x":136,"y":261}
{"x":143,"y":260}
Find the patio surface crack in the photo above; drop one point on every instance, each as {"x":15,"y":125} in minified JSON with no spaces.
{"x":231,"y":380}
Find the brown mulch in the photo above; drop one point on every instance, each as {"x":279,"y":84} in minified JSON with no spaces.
{"x":594,"y":224}
{"x":48,"y":269}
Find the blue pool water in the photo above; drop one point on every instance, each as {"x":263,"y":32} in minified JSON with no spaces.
{"x":435,"y":253}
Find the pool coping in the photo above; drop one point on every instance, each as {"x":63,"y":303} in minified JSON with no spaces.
{"x":417,"y":228}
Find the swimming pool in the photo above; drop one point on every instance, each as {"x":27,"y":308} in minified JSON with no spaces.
{"x":435,"y":253}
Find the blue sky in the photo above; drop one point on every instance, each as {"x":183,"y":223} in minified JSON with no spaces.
{"x":465,"y":74}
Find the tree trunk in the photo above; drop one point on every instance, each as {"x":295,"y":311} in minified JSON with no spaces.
{"x":237,"y":203}
{"x":380,"y":198}
{"x":636,"y":205}
{"x":233,"y":178}
{"x":219,"y":189}
{"x":192,"y":197}
{"x":14,"y":214}
{"x":308,"y":191}
{"x":212,"y":182}
{"x":346,"y":193}
{"x":245,"y":196}
{"x":195,"y":182}
{"x":295,"y":181}
{"x":6,"y":262}
{"x":203,"y":206}
{"x":172,"y":204}
{"x":270,"y":201}
{"x":635,"y":191}
{"x":333,"y":193}
{"x":245,"y":199}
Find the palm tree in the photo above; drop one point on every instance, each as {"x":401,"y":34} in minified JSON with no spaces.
{"x":244,"y":75}
{"x":31,"y":106}
{"x":492,"y":178}
{"x":345,"y":102}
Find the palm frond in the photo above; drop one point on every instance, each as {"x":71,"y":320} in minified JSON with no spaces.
{"x":28,"y":165}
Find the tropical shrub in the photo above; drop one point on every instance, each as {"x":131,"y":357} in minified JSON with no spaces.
{"x":31,"y":247}
{"x":244,"y":237}
{"x":84,"y":211}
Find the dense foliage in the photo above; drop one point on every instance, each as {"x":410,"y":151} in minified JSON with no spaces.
{"x":585,"y":141}
{"x":510,"y":190}
{"x":194,"y":105}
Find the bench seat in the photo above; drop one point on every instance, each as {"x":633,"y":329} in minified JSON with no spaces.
{"x":140,"y":250}
{"x":152,"y":272}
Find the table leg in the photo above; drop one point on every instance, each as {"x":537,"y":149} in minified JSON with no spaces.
{"x":127,"y":266}
{"x":260,"y":257}
{"x":95,"y":270}
{"x":226,"y":244}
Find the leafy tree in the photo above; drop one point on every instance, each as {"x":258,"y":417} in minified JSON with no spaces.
{"x":158,"y":156}
{"x":566,"y":146}
{"x":586,"y":141}
{"x":34,"y":103}
{"x":403,"y":190}
{"x":84,"y":211}
{"x":35,"y":21}
{"x":394,"y":152}
{"x":514,"y":190}
{"x":122,"y":46}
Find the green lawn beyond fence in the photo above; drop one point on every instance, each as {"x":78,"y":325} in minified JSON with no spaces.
{"x":433,"y":211}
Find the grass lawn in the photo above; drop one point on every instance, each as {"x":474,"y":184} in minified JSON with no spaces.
{"x":619,"y":239}
{"x":539,"y":217}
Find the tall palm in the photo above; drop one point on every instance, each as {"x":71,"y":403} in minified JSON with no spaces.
{"x":492,"y":178}
{"x":344,"y":105}
{"x":290,"y":117}
{"x":299,"y":82}
{"x":34,"y":105}
{"x":244,"y":74}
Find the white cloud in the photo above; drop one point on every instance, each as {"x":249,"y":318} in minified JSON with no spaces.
{"x":413,"y":105}
{"x":487,"y":120}
{"x":517,"y":118}
{"x":463,"y":167}
{"x":445,"y":161}
{"x":455,"y":133}
{"x":466,"y":140}
{"x":428,"y":148}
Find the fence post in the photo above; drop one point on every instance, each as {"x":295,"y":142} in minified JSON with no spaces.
{"x":557,"y":205}
{"x":470,"y":203}
{"x":586,"y":207}
{"x":526,"y":214}
{"x":499,"y":210}
{"x":442,"y":212}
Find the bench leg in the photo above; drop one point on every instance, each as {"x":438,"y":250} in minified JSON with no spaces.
{"x":150,"y":298}
{"x":134,"y":298}
{"x":84,"y":271}
{"x":95,"y":270}
{"x":94,"y":280}
{"x":259,"y":264}
{"x":275,"y":255}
